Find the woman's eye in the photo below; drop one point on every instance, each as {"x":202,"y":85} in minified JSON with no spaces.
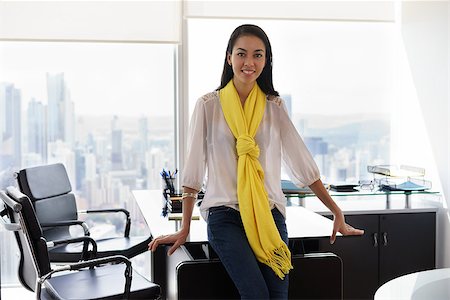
{"x":259,"y":55}
{"x":241,"y":54}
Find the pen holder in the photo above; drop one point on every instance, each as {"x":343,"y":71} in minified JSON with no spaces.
{"x":168,"y":185}
{"x":168,"y":189}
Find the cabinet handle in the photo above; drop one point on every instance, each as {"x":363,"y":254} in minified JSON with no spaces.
{"x":375,"y":239}
{"x":385,"y":240}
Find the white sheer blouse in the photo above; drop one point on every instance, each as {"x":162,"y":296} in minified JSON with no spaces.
{"x":212,"y":160}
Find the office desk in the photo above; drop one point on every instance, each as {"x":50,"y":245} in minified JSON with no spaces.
{"x":424,"y":285}
{"x":301,"y":223}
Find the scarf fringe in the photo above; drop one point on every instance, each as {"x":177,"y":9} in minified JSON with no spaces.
{"x":280,"y":261}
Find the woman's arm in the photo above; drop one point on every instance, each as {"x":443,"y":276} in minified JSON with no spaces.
{"x":191,"y":177}
{"x":178,"y":238}
{"x":339,"y":224}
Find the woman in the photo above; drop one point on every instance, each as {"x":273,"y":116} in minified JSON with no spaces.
{"x":239,"y":133}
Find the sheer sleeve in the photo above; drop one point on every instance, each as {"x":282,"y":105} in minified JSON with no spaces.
{"x":298,"y":162}
{"x":195,"y":163}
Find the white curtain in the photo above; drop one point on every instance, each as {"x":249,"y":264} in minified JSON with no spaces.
{"x":308,"y":10}
{"x":146,"y":21}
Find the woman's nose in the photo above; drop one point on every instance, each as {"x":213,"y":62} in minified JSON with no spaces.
{"x":248,"y":62}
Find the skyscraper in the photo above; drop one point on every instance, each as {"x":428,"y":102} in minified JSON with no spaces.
{"x":60,"y":152}
{"x":61,"y":115}
{"x":288,"y":101}
{"x":143,"y":133}
{"x":319,"y":150}
{"x":37,"y":134}
{"x":10,"y":126}
{"x":116,"y":145}
{"x":80,"y":167}
{"x":143,"y":143}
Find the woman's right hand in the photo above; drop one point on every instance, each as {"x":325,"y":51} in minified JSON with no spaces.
{"x":177,"y":239}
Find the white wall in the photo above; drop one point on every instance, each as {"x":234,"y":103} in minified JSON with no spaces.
{"x":425,"y":34}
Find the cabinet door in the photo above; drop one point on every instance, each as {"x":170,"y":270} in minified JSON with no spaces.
{"x":407,"y":244}
{"x":359,"y":256}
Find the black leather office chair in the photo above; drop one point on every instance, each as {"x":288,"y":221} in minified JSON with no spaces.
{"x":93,"y":279}
{"x":315,"y":276}
{"x":49,"y":189}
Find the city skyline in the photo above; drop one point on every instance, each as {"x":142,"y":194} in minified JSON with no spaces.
{"x":91,"y":146}
{"x":50,"y":135}
{"x":107,"y":156}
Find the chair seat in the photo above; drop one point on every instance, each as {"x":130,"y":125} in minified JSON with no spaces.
{"x":98,"y":282}
{"x":126,"y":246}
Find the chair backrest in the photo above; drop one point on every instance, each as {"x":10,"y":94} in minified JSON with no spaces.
{"x":49,"y":189}
{"x":34,"y":259}
{"x":315,"y":276}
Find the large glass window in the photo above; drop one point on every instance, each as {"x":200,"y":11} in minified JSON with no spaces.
{"x":105,"y":110}
{"x":335,"y":77}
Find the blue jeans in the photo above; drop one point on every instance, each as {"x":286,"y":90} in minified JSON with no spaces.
{"x":253,"y":279}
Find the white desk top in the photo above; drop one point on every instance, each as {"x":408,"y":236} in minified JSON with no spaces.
{"x":300,"y":222}
{"x":425,"y":285}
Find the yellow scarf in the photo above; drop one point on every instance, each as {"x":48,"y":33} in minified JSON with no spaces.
{"x":254,"y":207}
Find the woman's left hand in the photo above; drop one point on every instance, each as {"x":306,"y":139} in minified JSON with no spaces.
{"x":339,"y":225}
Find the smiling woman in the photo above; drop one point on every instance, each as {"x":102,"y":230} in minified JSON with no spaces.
{"x":244,"y":205}
{"x":247,"y":59}
{"x":337,"y":79}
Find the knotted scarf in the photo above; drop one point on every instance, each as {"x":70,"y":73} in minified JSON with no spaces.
{"x":260,"y":228}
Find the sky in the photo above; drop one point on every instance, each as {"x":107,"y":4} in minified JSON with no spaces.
{"x":330,"y":68}
{"x":327,"y":67}
{"x":103,"y":79}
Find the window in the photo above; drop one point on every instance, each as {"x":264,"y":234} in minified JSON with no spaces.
{"x":335,"y":77}
{"x":105,"y":110}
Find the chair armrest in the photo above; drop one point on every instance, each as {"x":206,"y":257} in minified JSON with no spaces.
{"x":86,"y":241}
{"x":113,"y":210}
{"x":91,"y":263}
{"x":100,"y":261}
{"x":68,"y":223}
{"x":7,"y":224}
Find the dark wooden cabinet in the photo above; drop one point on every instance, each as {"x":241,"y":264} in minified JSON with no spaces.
{"x":394,"y":244}
{"x":407,"y":243}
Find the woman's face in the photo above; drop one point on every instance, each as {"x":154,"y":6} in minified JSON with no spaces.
{"x":247,"y":59}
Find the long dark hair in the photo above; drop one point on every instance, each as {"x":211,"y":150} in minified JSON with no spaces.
{"x":264,"y":80}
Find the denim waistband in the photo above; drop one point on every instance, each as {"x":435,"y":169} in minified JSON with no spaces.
{"x":224,"y":207}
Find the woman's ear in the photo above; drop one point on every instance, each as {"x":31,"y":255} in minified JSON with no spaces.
{"x":229,"y":58}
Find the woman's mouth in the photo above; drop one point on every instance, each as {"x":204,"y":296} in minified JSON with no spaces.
{"x":248,"y":72}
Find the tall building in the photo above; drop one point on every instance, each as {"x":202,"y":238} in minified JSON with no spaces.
{"x":155,"y":162}
{"x":10,"y":126}
{"x":61,"y":114}
{"x":319,"y":150}
{"x":143,"y":136}
{"x":9,"y":263}
{"x":80,"y":167}
{"x":288,"y":102}
{"x":316,"y":145}
{"x":90,"y":166}
{"x":143,"y":133}
{"x":59,"y":152}
{"x":116,"y":145}
{"x":143,"y":144}
{"x":36,"y":127}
